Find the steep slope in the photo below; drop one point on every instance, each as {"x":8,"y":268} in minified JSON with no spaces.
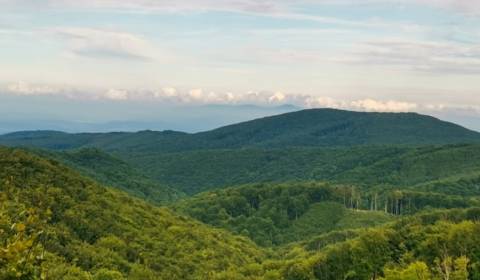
{"x":111,"y":171}
{"x":315,"y":127}
{"x":56,"y":224}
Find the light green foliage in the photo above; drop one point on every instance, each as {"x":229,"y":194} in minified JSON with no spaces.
{"x":415,"y":271}
{"x":428,"y":242}
{"x":275,"y":214}
{"x":278,"y":214}
{"x":58,"y":225}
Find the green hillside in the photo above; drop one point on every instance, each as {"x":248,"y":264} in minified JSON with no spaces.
{"x":330,"y":127}
{"x":114,"y":172}
{"x":56,"y":224}
{"x":412,"y":167}
{"x":276,"y":214}
{"x":314,"y":127}
{"x":430,"y":246}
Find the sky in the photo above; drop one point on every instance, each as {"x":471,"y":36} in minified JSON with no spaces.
{"x":102,"y":61}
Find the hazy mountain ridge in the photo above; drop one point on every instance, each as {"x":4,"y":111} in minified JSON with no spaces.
{"x":314,"y":127}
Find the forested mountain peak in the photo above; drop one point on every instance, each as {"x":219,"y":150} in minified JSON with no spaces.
{"x":332,"y":127}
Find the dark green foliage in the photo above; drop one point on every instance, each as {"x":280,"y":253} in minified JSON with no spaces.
{"x":112,"y":171}
{"x":451,"y":169}
{"x":290,"y":147}
{"x":329,"y":127}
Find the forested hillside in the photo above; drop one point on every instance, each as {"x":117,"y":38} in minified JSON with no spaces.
{"x":430,"y":246}
{"x":55,"y":224}
{"x":114,"y":172}
{"x":416,"y":168}
{"x":276,"y":214}
{"x":279,"y":214}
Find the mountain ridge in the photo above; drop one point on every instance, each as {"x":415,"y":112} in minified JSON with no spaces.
{"x":305,"y":128}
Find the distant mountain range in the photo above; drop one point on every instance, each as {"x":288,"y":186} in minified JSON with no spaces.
{"x":306,"y":128}
{"x":151,"y":117}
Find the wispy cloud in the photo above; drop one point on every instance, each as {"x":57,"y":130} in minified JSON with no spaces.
{"x":22,"y":88}
{"x":427,"y":56}
{"x":97,"y":43}
{"x":273,"y":7}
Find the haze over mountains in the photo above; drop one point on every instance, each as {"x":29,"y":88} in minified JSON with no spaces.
{"x":314,"y":127}
{"x":125,"y":116}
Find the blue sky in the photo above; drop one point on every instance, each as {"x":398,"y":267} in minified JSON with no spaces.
{"x":371,"y":55}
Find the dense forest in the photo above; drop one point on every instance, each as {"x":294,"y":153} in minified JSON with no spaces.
{"x":273,"y":198}
{"x":414,"y":167}
{"x":115,"y":172}
{"x":277,"y":214}
{"x":57,"y":224}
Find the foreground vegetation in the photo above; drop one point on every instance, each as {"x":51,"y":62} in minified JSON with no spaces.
{"x":56,"y":224}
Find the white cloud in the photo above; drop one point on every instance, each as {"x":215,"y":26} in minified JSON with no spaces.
{"x":168,"y":92}
{"x":99,"y":43}
{"x":372,"y":105}
{"x":23,"y":88}
{"x":277,"y":97}
{"x":196,"y":94}
{"x":116,"y":94}
{"x":199,"y":96}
